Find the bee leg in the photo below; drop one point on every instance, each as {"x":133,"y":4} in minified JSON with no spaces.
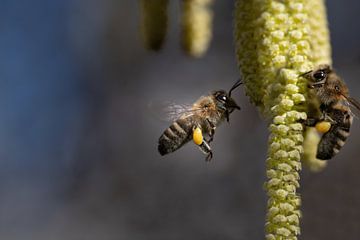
{"x":202,"y":143}
{"x":310,"y":122}
{"x":211,"y":134}
{"x":322,"y":125}
{"x":209,"y":157}
{"x":205,"y":148}
{"x":327,"y":118}
{"x":212,"y":130}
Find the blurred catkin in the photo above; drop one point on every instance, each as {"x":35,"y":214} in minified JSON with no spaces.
{"x":196,"y":24}
{"x":274,"y":46}
{"x":154,"y":20}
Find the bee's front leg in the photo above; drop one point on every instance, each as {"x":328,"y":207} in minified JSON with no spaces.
{"x":202,"y":143}
{"x":310,"y":122}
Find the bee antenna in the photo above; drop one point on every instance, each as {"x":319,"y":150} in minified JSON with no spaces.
{"x":303,"y":74}
{"x":238,"y":83}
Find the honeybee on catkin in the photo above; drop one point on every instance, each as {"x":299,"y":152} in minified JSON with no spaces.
{"x":336,"y":116}
{"x":198,"y":120}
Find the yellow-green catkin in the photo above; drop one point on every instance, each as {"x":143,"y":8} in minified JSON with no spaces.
{"x":154,"y":18}
{"x":196,"y":24}
{"x":319,"y":35}
{"x":321,"y":54}
{"x":274,"y":46}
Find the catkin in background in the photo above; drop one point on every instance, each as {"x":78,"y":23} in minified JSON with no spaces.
{"x":154,"y":18}
{"x":196,"y":24}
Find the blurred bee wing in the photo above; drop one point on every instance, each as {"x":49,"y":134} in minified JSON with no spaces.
{"x":174,"y":111}
{"x":169,"y":111}
{"x":352,"y":102}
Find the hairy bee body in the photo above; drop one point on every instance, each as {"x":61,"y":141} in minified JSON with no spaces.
{"x":333,"y":140}
{"x":204,"y":114}
{"x":176,"y":135}
{"x":333,"y":97}
{"x":200,"y":119}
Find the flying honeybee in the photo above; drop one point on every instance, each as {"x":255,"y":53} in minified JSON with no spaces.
{"x":335,"y":102}
{"x":197,"y":120}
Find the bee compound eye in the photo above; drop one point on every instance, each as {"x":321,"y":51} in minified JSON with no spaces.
{"x":222,"y":98}
{"x":337,"y":88}
{"x":320,"y":75}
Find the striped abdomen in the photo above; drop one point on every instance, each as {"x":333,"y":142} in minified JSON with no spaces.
{"x":176,"y":135}
{"x":332,"y":141}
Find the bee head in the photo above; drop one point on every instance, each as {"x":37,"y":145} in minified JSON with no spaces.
{"x":329,"y":87}
{"x":224,"y":100}
{"x":318,"y":77}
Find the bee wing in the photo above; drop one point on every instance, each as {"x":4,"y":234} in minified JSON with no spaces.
{"x":354,"y":103}
{"x":175,"y":111}
{"x":169,"y":111}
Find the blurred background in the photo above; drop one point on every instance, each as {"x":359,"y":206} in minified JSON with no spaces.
{"x":78,"y":155}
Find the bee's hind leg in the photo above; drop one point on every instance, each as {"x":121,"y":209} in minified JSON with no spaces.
{"x":322,"y":125}
{"x":202,"y":143}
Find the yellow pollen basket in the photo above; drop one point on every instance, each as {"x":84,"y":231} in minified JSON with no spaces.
{"x":197,"y":136}
{"x":323,"y":127}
